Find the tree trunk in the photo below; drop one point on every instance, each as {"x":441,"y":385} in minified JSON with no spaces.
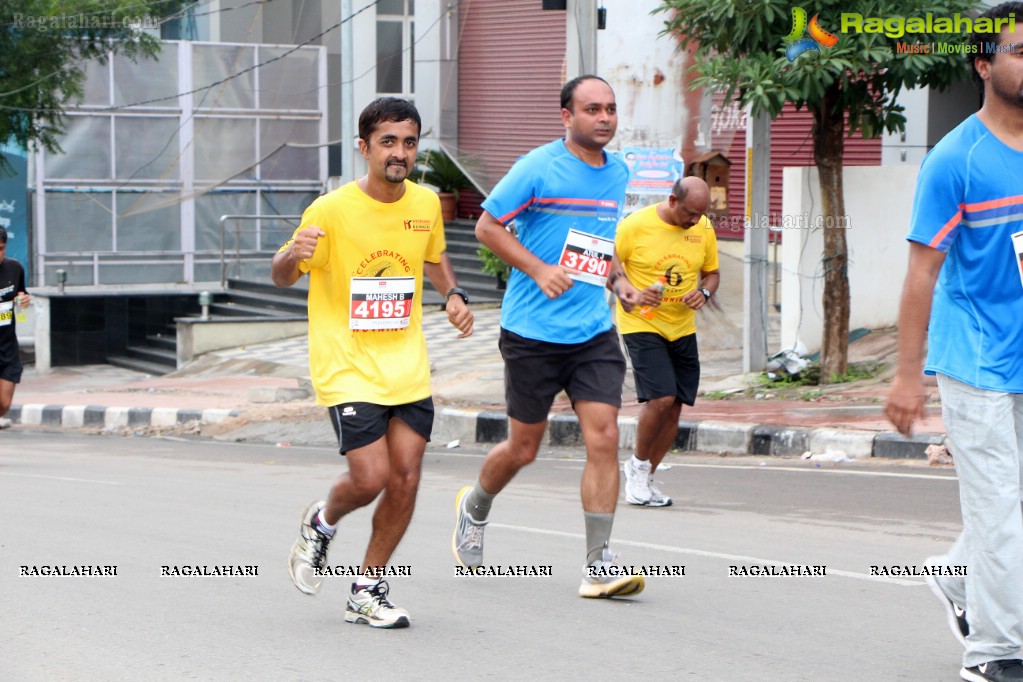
{"x":828,"y":147}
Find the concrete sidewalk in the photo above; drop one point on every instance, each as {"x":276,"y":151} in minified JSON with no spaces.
{"x":267,"y":382}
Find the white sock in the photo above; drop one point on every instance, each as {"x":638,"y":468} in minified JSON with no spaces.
{"x":323,"y":526}
{"x":365,"y":581}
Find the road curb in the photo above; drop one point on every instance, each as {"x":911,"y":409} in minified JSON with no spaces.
{"x":468,"y":426}
{"x":713,"y":436}
{"x":77,"y":416}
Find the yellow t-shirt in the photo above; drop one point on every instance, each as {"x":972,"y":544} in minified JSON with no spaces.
{"x":650,"y":248}
{"x":367,"y":273}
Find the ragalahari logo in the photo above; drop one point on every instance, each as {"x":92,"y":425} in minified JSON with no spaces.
{"x":818,"y":36}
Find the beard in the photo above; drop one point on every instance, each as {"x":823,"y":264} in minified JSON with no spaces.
{"x":395,"y":172}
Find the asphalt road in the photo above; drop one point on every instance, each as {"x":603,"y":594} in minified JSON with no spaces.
{"x":140,"y":504}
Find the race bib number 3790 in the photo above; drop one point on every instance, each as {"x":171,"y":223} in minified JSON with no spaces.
{"x":587,"y":257}
{"x":381,"y":302}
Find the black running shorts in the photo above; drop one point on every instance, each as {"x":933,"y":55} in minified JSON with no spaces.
{"x":663,"y":367}
{"x":10,"y":369}
{"x":359,"y":424}
{"x":534,"y":372}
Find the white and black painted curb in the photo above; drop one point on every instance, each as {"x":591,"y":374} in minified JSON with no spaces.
{"x":491,"y":426}
{"x":76,"y":416}
{"x":720,"y":437}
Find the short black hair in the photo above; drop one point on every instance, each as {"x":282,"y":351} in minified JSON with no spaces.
{"x":393,"y":109}
{"x":3,"y":236}
{"x":977,"y":39}
{"x":568,"y":92}
{"x":678,"y":190}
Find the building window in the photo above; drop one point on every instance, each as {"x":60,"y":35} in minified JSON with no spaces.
{"x":395,"y":51}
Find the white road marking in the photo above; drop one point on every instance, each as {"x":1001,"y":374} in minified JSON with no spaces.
{"x":714,"y":555}
{"x":806,"y":470}
{"x":60,"y":478}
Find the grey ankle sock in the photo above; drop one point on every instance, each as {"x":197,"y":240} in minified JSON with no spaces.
{"x":478,"y":502}
{"x":598,"y":534}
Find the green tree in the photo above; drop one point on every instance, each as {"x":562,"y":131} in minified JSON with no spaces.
{"x":45,"y":44}
{"x":739,"y":47}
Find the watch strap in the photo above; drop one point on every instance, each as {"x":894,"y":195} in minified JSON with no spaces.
{"x":456,"y":291}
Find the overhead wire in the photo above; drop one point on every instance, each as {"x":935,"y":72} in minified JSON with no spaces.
{"x":232,"y":76}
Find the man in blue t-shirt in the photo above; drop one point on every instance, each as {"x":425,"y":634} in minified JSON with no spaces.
{"x":556,"y":332}
{"x":964,"y":292}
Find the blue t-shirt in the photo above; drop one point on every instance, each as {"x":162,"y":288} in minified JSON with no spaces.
{"x":547,"y":192}
{"x":969,"y":202}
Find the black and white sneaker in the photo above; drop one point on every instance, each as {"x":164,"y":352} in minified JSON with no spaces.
{"x":956,"y":616}
{"x":1003,"y":670}
{"x":370,"y":605}
{"x":309,"y":552}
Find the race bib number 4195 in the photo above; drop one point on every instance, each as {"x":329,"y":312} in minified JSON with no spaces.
{"x":381,"y":302}
{"x":587,"y":257}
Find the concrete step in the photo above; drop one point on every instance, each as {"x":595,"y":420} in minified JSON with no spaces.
{"x":297,"y":291}
{"x":145,"y":360}
{"x":168,"y":342}
{"x":467,"y":248}
{"x":270,"y":303}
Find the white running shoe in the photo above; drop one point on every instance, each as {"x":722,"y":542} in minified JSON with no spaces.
{"x":637,"y":481}
{"x":604,"y":579}
{"x":371,"y":606}
{"x":657,"y":498}
{"x":309,"y":552}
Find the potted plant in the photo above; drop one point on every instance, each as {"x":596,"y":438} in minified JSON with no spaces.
{"x":434,"y":167}
{"x":492,"y":265}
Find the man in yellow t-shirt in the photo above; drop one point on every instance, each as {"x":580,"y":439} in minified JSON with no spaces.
{"x":669,"y":255}
{"x":366,"y":247}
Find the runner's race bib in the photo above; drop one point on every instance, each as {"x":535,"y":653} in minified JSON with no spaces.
{"x":381,"y":302}
{"x":6,"y":313}
{"x":588,"y":257}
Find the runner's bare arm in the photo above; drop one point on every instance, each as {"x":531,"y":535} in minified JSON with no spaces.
{"x":284,"y":269}
{"x":907,"y":395}
{"x":442,"y":277}
{"x":620,"y":285}
{"x":552,"y":279}
{"x":709,"y":281}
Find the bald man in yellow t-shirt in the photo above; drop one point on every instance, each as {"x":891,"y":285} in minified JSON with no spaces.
{"x":668,"y":253}
{"x":366,"y":247}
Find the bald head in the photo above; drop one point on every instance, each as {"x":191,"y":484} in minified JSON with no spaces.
{"x":689,"y":200}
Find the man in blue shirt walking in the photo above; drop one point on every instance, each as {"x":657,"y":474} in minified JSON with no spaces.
{"x":964,"y":293}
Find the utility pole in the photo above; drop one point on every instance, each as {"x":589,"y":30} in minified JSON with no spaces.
{"x":580,"y":38}
{"x":754,"y":290}
{"x":347,"y":95}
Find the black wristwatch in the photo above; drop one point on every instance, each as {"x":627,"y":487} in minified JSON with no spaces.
{"x":455,"y":291}
{"x":705,"y":292}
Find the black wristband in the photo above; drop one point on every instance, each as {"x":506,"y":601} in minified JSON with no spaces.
{"x":459,"y":292}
